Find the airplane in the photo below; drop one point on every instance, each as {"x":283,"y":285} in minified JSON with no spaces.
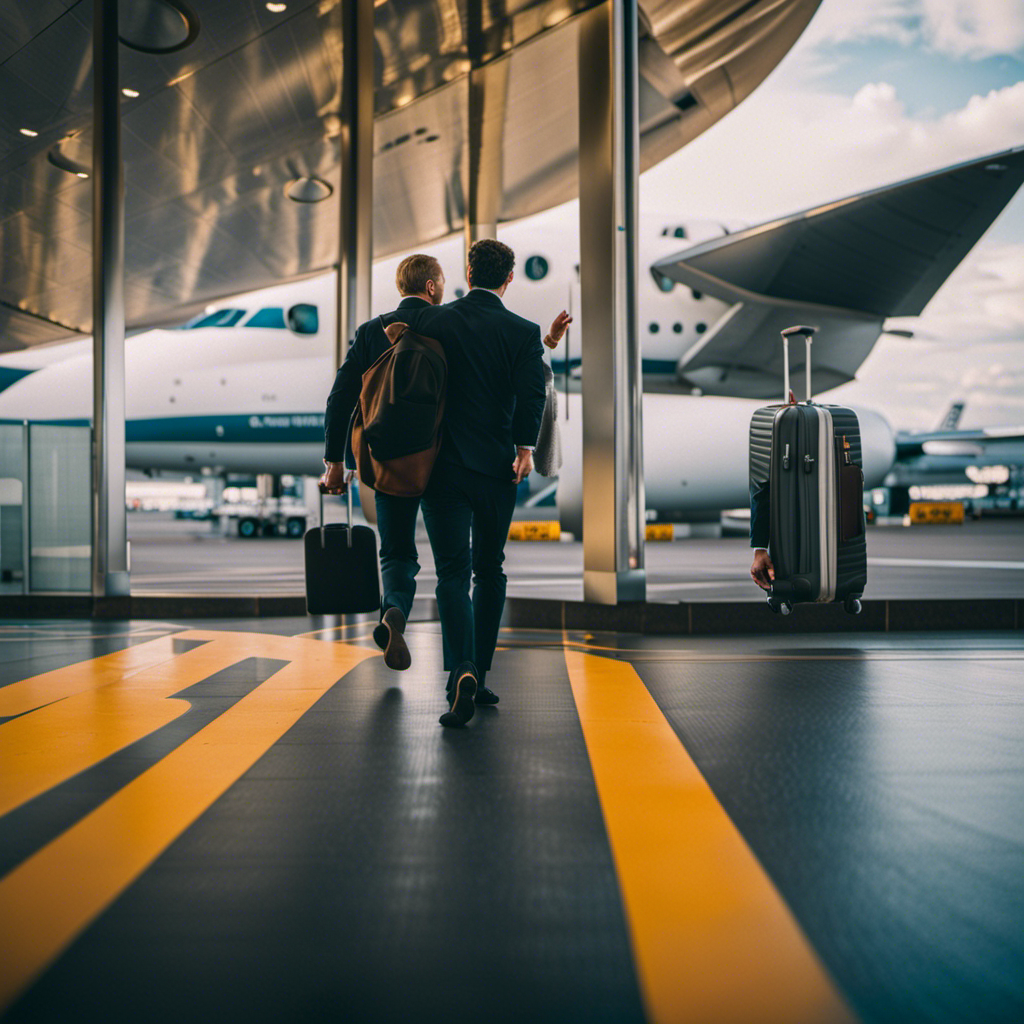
{"x":957,"y":460}
{"x":241,"y":388}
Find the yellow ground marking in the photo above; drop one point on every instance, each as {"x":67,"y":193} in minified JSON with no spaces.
{"x":712,"y":938}
{"x":334,"y":629}
{"x":28,"y":694}
{"x":49,"y":899}
{"x":100,"y":715}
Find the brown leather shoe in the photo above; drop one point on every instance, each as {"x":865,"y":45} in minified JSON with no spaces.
{"x":462,"y":690}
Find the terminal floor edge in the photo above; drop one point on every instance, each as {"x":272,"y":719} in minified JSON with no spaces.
{"x":256,"y":820}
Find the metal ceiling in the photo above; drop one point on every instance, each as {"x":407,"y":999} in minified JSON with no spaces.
{"x":222,"y":126}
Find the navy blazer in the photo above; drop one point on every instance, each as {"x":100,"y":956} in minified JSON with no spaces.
{"x":496,"y":390}
{"x":369,"y":345}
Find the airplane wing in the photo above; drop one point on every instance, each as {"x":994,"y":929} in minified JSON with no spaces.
{"x":844,"y":266}
{"x":236,"y":116}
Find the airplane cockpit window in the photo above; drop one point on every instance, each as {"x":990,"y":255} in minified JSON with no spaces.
{"x":678,"y":232}
{"x":536,"y":268}
{"x":270,"y":316}
{"x":303,"y":318}
{"x":666,"y":284}
{"x":218,"y":318}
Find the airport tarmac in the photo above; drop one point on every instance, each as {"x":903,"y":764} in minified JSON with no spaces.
{"x":978,"y":559}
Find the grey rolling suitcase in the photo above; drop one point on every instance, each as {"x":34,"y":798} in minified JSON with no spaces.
{"x":342,"y":577}
{"x":809,"y":457}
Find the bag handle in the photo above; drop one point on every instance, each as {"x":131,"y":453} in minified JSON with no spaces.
{"x":808,"y":335}
{"x":323,"y":525}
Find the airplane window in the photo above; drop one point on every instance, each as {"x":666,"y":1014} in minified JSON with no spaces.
{"x":701,"y":328}
{"x":271,"y":316}
{"x":680,"y":232}
{"x":218,"y":318}
{"x":536,"y":268}
{"x":696,"y":294}
{"x":678,"y":328}
{"x":303,"y":318}
{"x":654,"y":328}
{"x":459,"y":292}
{"x":666,"y":284}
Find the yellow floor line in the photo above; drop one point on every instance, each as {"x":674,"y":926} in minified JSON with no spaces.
{"x":34,"y":692}
{"x":712,"y":938}
{"x":49,"y":899}
{"x":103,"y":713}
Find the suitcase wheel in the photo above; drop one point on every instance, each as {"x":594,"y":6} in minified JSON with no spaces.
{"x":779,"y":607}
{"x":852,"y":606}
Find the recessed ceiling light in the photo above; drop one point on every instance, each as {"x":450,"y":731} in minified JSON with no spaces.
{"x":81,"y":174}
{"x":29,"y":132}
{"x":277,"y":8}
{"x":132,"y":94}
{"x":157,"y":26}
{"x":308,"y":189}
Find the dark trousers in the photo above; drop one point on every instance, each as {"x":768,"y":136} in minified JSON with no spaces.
{"x":399,"y":560}
{"x":460,"y":504}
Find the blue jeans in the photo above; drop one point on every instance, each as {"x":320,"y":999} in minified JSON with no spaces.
{"x":399,"y":560}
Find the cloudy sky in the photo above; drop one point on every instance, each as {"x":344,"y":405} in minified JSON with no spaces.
{"x":876,"y":91}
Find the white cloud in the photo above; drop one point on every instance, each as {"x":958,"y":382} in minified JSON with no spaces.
{"x":789,"y":150}
{"x":972,"y":29}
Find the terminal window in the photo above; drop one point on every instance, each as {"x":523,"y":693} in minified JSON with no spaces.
{"x":271,"y":316}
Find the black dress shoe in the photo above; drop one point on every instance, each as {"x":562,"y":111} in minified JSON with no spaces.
{"x":388,"y":636}
{"x":461,"y":691}
{"x":485,"y":696}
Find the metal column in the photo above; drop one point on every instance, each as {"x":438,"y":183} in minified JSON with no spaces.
{"x":613,"y":488}
{"x":488,"y":96}
{"x":355,"y":238}
{"x":110,"y":525}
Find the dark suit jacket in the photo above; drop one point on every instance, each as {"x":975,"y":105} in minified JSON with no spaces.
{"x":760,"y":515}
{"x":369,"y":345}
{"x":496,"y":389}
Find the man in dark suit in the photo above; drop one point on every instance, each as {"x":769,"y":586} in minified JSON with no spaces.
{"x":421,"y":281}
{"x":493,"y":412}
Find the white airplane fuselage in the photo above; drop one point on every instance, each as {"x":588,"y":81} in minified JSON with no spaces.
{"x":246,"y":399}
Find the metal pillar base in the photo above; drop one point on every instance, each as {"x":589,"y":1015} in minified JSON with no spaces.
{"x":116,"y":584}
{"x":600,"y":587}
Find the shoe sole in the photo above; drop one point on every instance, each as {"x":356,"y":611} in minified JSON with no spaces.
{"x":463,"y":708}
{"x":390,"y":640}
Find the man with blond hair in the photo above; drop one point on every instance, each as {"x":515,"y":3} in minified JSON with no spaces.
{"x":420,"y":282}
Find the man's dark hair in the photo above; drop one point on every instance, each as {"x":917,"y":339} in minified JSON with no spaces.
{"x":490,"y":263}
{"x":415,"y":271}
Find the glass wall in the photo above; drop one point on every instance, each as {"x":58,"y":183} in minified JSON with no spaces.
{"x":12,"y":516}
{"x":60,"y":508}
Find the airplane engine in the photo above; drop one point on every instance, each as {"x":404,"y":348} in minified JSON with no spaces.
{"x":696,"y":456}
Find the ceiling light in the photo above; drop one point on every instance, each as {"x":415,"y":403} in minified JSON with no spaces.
{"x":81,"y":174}
{"x":277,"y":8}
{"x":308,"y":190}
{"x":29,"y":132}
{"x":132,"y":94}
{"x":157,"y":26}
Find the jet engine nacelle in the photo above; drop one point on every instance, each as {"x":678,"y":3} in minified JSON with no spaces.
{"x":696,"y":455}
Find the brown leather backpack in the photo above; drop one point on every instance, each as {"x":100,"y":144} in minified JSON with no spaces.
{"x":396,"y":426}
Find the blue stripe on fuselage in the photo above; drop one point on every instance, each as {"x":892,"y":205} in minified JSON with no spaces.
{"x":262,"y":428}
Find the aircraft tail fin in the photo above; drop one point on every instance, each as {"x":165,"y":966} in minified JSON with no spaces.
{"x":952,"y":418}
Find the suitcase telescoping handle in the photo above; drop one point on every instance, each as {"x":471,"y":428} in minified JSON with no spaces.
{"x":808,"y":334}
{"x":323,"y":525}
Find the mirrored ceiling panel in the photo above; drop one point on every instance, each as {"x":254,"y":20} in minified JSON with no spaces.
{"x":217,"y":132}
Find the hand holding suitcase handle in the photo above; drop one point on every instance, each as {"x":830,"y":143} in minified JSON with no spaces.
{"x":344,"y":488}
